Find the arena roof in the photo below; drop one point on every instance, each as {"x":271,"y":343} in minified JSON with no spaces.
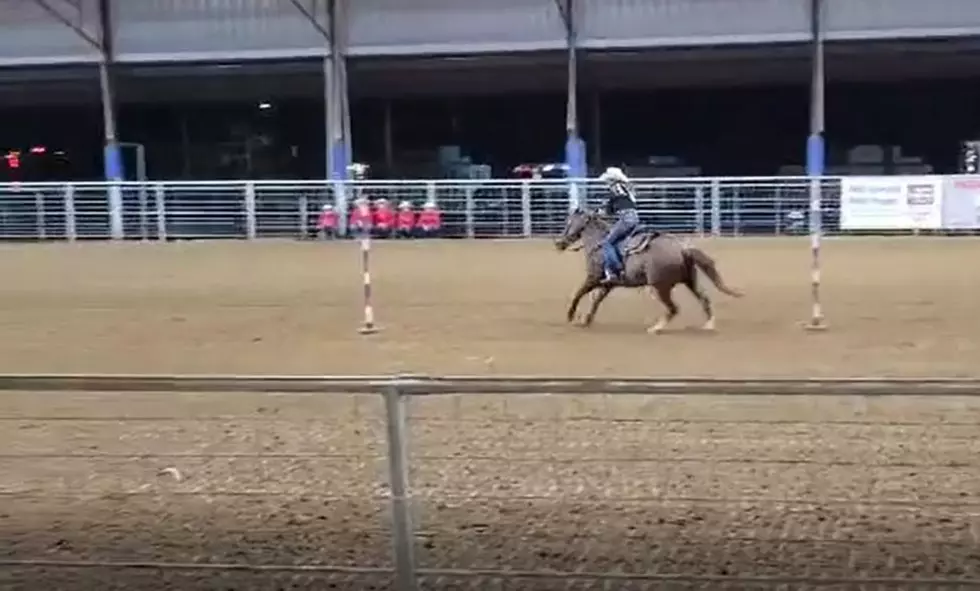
{"x":496,"y":74}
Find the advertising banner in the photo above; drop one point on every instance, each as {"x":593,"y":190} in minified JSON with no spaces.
{"x":961,"y":203}
{"x":891,"y":203}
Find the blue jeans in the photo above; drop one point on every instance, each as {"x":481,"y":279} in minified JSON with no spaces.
{"x":624,"y":226}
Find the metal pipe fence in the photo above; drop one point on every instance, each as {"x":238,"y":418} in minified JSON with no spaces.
{"x":471,"y":209}
{"x":204,"y":482}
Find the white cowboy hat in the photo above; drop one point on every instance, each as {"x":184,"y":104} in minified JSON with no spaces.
{"x":613,"y":174}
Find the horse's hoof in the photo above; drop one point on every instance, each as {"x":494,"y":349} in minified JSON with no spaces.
{"x":708,"y":326}
{"x":658,"y":327}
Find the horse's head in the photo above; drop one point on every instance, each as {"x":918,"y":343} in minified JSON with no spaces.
{"x":575,"y":225}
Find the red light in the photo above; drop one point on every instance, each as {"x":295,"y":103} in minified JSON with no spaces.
{"x":39,"y":150}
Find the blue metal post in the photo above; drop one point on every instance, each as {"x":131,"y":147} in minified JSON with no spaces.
{"x":112,"y":157}
{"x":575,"y":148}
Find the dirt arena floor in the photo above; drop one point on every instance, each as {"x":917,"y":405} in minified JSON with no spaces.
{"x":709,"y":486}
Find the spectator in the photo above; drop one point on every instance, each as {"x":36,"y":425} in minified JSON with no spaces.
{"x":405,"y":223}
{"x":384,"y":218}
{"x":360,"y":216}
{"x":326,"y":223}
{"x":430,"y":220}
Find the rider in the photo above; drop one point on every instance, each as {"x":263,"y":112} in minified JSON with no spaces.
{"x":621,"y":203}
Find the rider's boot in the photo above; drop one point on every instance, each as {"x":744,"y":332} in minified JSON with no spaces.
{"x":611,"y":275}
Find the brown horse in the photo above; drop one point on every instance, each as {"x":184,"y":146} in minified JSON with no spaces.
{"x":653,"y":260}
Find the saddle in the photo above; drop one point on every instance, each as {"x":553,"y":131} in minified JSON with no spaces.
{"x":638,"y":240}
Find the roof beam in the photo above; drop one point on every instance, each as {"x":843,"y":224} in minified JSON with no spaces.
{"x":77,"y":27}
{"x":565,"y":10}
{"x":311,"y":15}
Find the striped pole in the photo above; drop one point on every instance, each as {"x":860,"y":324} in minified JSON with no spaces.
{"x":817,"y":321}
{"x":368,"y":326}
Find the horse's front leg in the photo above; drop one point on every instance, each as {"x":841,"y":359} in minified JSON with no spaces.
{"x":597,"y":299}
{"x":580,"y":293}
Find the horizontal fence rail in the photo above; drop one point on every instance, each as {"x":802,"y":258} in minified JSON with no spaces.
{"x":470,"y":208}
{"x":421,"y":385}
{"x":431,"y":482}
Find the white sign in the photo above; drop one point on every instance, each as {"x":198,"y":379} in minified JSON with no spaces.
{"x":961,"y":203}
{"x":891,"y":203}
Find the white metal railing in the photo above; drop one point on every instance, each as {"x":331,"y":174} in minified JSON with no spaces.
{"x":619,"y":445}
{"x":471,"y":208}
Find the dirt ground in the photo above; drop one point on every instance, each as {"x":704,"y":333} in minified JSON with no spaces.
{"x":710,"y":486}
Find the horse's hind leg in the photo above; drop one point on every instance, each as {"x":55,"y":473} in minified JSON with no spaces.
{"x":702,"y":296}
{"x":662,"y":293}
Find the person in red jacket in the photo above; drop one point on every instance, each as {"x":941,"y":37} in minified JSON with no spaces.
{"x":405,"y":223}
{"x":360,"y":217}
{"x":326,"y":223}
{"x":430,"y":220}
{"x":384,"y":218}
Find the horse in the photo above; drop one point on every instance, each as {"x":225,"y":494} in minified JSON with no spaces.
{"x":653,"y":260}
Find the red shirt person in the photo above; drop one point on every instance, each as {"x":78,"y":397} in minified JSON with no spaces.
{"x":384,"y":217}
{"x":360,"y":216}
{"x":326,"y":222}
{"x":430,"y":219}
{"x":405,"y":222}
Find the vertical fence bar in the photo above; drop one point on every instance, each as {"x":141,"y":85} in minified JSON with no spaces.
{"x":71,"y":222}
{"x":303,"y":215}
{"x":431,"y":195}
{"x":736,"y":210}
{"x":526,"y":226}
{"x":470,"y":206}
{"x":39,"y":214}
{"x":144,"y":212}
{"x":778,"y":212}
{"x":699,"y":211}
{"x":715,"y":207}
{"x":160,"y":198}
{"x":403,"y":534}
{"x":251,"y":224}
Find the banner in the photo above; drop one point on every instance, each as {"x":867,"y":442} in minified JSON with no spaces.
{"x":961,"y":203}
{"x":891,"y":203}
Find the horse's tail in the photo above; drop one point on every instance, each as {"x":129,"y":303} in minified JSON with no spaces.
{"x":707,"y":265}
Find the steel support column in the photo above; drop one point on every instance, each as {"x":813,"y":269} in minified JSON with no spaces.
{"x":815,"y":143}
{"x":113,"y":153}
{"x":575,"y":149}
{"x":341,"y":44}
{"x":335,"y":88}
{"x":112,"y":157}
{"x":329,"y":17}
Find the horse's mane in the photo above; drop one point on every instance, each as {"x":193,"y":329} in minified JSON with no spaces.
{"x":595,"y":216}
